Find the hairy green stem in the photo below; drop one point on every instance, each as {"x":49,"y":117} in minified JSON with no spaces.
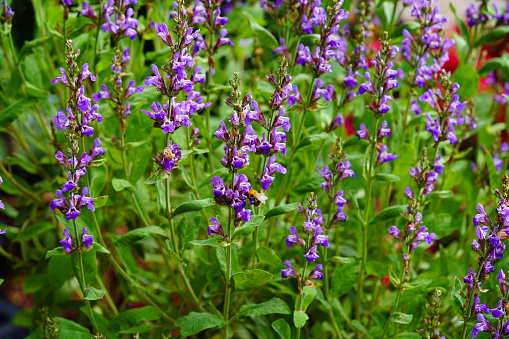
{"x":226,"y":308}
{"x":396,"y":303}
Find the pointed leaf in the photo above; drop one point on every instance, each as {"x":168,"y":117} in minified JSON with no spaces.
{"x":92,"y":293}
{"x":138,"y":234}
{"x":190,"y":206}
{"x":196,"y":322}
{"x":281,"y":209}
{"x":282,"y":328}
{"x":273,"y":306}
{"x":247,"y":228}
{"x":250,"y":279}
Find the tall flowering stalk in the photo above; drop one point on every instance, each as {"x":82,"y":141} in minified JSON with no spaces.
{"x":77,"y":121}
{"x":489,"y":246}
{"x":340,"y":171}
{"x":385,"y":81}
{"x":312,"y":228}
{"x":414,"y":232}
{"x":170,"y":116}
{"x":234,"y":196}
{"x":432,"y":321}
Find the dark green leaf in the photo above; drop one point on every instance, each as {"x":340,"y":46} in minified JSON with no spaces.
{"x":196,"y":322}
{"x":409,"y":26}
{"x":308,"y":295}
{"x":214,"y":242}
{"x":98,"y":180}
{"x":457,"y":299}
{"x":493,"y":35}
{"x":121,"y":184}
{"x":312,"y":139}
{"x":361,"y":328}
{"x":34,"y":231}
{"x":266,"y":256}
{"x":13,"y":111}
{"x":282,"y":328}
{"x":130,"y":318}
{"x":138,"y":234}
{"x":281,"y":209}
{"x":344,"y":278}
{"x":93,"y":293}
{"x":89,"y":261}
{"x":56,"y":251}
{"x":266,"y":39}
{"x":250,"y":279}
{"x":376,"y":268}
{"x":68,"y":329}
{"x":388,"y":213}
{"x":247,"y":228}
{"x":273,"y":306}
{"x":190,"y":206}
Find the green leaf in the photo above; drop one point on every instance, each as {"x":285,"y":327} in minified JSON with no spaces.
{"x":402,"y":318}
{"x":344,"y":278}
{"x":1,"y":281}
{"x":34,"y":231}
{"x":281,"y":209}
{"x":376,"y":268}
{"x":441,"y":194}
{"x":121,"y":184}
{"x":388,"y":213}
{"x":361,"y":328}
{"x":89,"y":266}
{"x":493,"y":175}
{"x":457,"y":299}
{"x":98,"y":180}
{"x":195,"y":205}
{"x":93,"y":293}
{"x":493,"y":35}
{"x":214,"y":242}
{"x":308,"y":295}
{"x":461,"y":24}
{"x":468,"y":79}
{"x":247,"y":228}
{"x":130,"y":318}
{"x":98,"y":248}
{"x":495,"y":64}
{"x":250,"y":279}
{"x":100,"y":201}
{"x":196,"y":322}
{"x":299,"y":318}
{"x":138,"y":234}
{"x":13,"y":111}
{"x":385,"y":177}
{"x":273,"y":306}
{"x":384,"y":12}
{"x":267,"y":40}
{"x":70,"y":330}
{"x":56,"y":251}
{"x":266,"y":256}
{"x":282,"y":328}
{"x":312,"y":139}
{"x":411,"y":26}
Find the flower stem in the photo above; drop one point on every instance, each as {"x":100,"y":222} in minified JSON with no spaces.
{"x":398,"y":296}
{"x":22,"y":75}
{"x":226,"y":308}
{"x":471,"y":295}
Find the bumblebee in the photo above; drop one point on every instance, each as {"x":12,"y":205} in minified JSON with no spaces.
{"x":256,"y":198}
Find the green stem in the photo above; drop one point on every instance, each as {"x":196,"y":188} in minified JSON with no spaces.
{"x":398,"y":296}
{"x":470,"y":301}
{"x":363,"y":251}
{"x":18,"y":65}
{"x":109,"y":300}
{"x":22,"y":189}
{"x":7,"y":56}
{"x":226,"y":308}
{"x":301,"y":280}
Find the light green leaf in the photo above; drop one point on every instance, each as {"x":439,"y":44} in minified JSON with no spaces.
{"x":282,"y":328}
{"x":92,"y":293}
{"x":312,"y":139}
{"x":361,"y":328}
{"x":385,"y":177}
{"x":266,"y":256}
{"x":273,"y":306}
{"x":281,"y":209}
{"x":196,"y":322}
{"x":299,"y":318}
{"x":308,"y":295}
{"x":250,"y":279}
{"x":265,"y":37}
{"x":98,"y":180}
{"x":100,"y":201}
{"x":214,"y":242}
{"x":441,"y":194}
{"x":56,"y":251}
{"x":402,"y":318}
{"x":138,"y":234}
{"x":468,"y":79}
{"x":388,"y":213}
{"x":247,"y":228}
{"x":121,"y":184}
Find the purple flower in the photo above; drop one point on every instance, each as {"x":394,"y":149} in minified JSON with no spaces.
{"x":311,"y":254}
{"x":363,"y":132}
{"x":316,"y":274}
{"x":409,"y":193}
{"x":481,"y":218}
{"x":384,"y":131}
{"x":294,"y":238}
{"x":289,"y":272}
{"x":170,"y":157}
{"x":395,"y":232}
{"x":4,"y":231}
{"x":483,"y":325}
{"x":87,"y":239}
{"x":384,"y":156}
{"x":501,"y":281}
{"x":414,"y":107}
{"x":319,"y":239}
{"x":88,"y":11}
{"x":269,"y":171}
{"x":215,"y":228}
{"x":68,"y":241}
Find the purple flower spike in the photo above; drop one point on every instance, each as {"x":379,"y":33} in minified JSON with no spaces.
{"x":290,"y":271}
{"x":87,"y":239}
{"x":68,"y":241}
{"x":316,"y":274}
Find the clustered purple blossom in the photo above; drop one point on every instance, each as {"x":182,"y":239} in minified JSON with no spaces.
{"x":340,"y":171}
{"x":480,"y":14}
{"x":125,"y":24}
{"x":6,"y":12}
{"x":383,"y":131}
{"x":208,"y":14}
{"x":68,"y":241}
{"x":179,"y":77}
{"x":489,"y":245}
{"x":429,"y":42}
{"x":120,"y":94}
{"x":449,"y":109}
{"x":414,"y":232}
{"x":313,"y":229}
{"x":169,"y":158}
{"x":80,"y":114}
{"x":235,"y":197}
